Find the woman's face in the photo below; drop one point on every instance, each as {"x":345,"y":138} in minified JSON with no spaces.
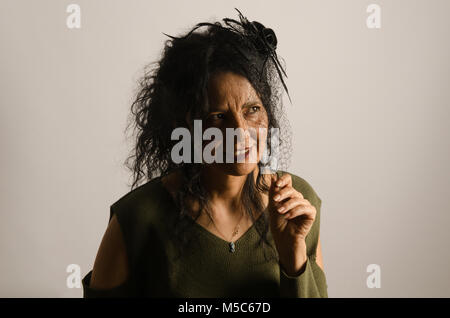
{"x":235,"y":104}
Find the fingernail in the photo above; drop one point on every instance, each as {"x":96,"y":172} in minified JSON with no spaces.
{"x":281,"y":209}
{"x":277,"y":197}
{"x":279,"y":183}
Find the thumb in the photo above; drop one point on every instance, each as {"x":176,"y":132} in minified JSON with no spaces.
{"x":276,"y":219}
{"x":273,"y":180}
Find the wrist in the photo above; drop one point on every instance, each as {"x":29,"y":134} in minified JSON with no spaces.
{"x":294,"y":263}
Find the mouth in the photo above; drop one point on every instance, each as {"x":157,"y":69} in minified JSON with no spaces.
{"x":243,"y":154}
{"x":243,"y":149}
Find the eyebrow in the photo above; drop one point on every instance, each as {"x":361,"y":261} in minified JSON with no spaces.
{"x":250,"y":102}
{"x":247,"y":103}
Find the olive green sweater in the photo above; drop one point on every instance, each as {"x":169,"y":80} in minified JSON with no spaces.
{"x":207,"y":268}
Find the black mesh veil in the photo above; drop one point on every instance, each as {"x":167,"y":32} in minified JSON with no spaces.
{"x":253,"y":39}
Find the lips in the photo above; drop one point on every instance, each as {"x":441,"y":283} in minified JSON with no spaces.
{"x":241,"y":152}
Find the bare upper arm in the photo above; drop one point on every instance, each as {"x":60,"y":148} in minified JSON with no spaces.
{"x":111,"y":263}
{"x":319,"y":257}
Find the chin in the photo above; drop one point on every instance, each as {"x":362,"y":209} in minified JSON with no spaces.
{"x":237,"y":169}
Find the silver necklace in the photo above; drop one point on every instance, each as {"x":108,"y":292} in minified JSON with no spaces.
{"x":231,"y":244}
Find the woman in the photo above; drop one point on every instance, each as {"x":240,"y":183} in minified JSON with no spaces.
{"x":198,"y":228}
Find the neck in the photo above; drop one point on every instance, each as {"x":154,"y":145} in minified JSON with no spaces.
{"x":224,"y":189}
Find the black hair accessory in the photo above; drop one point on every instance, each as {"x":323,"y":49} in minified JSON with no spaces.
{"x":268,"y":36}
{"x":264,"y":39}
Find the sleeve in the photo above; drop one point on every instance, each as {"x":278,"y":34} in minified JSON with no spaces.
{"x":311,"y":283}
{"x":306,"y":285}
{"x":123,"y":290}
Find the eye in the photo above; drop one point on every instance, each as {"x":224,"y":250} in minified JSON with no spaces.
{"x":254,"y":109}
{"x":217,"y":116}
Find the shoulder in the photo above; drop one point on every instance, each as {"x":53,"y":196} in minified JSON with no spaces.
{"x":141,"y":199}
{"x":142,"y":216}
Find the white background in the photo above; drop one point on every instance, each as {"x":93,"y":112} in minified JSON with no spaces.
{"x":370,"y":115}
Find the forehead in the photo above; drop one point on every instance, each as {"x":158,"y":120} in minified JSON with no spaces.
{"x":227,"y":88}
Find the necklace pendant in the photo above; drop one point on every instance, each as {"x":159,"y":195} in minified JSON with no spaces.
{"x":232,"y":247}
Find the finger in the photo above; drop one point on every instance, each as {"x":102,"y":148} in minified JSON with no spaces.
{"x":277,"y":190}
{"x":284,"y":180}
{"x":283,"y":193}
{"x":308,"y":211}
{"x":273,"y":189}
{"x":289,"y":204}
{"x":273,"y":180}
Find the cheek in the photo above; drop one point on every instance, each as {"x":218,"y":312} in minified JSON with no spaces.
{"x":260,"y":120}
{"x":258,"y":136}
{"x":263,"y":123}
{"x":262,"y":140}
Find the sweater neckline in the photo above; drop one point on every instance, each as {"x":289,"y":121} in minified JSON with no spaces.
{"x":202,"y":229}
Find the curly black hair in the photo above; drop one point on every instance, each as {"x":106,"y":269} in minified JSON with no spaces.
{"x":173,"y":93}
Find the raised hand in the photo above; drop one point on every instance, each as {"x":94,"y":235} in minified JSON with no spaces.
{"x":291,"y":219}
